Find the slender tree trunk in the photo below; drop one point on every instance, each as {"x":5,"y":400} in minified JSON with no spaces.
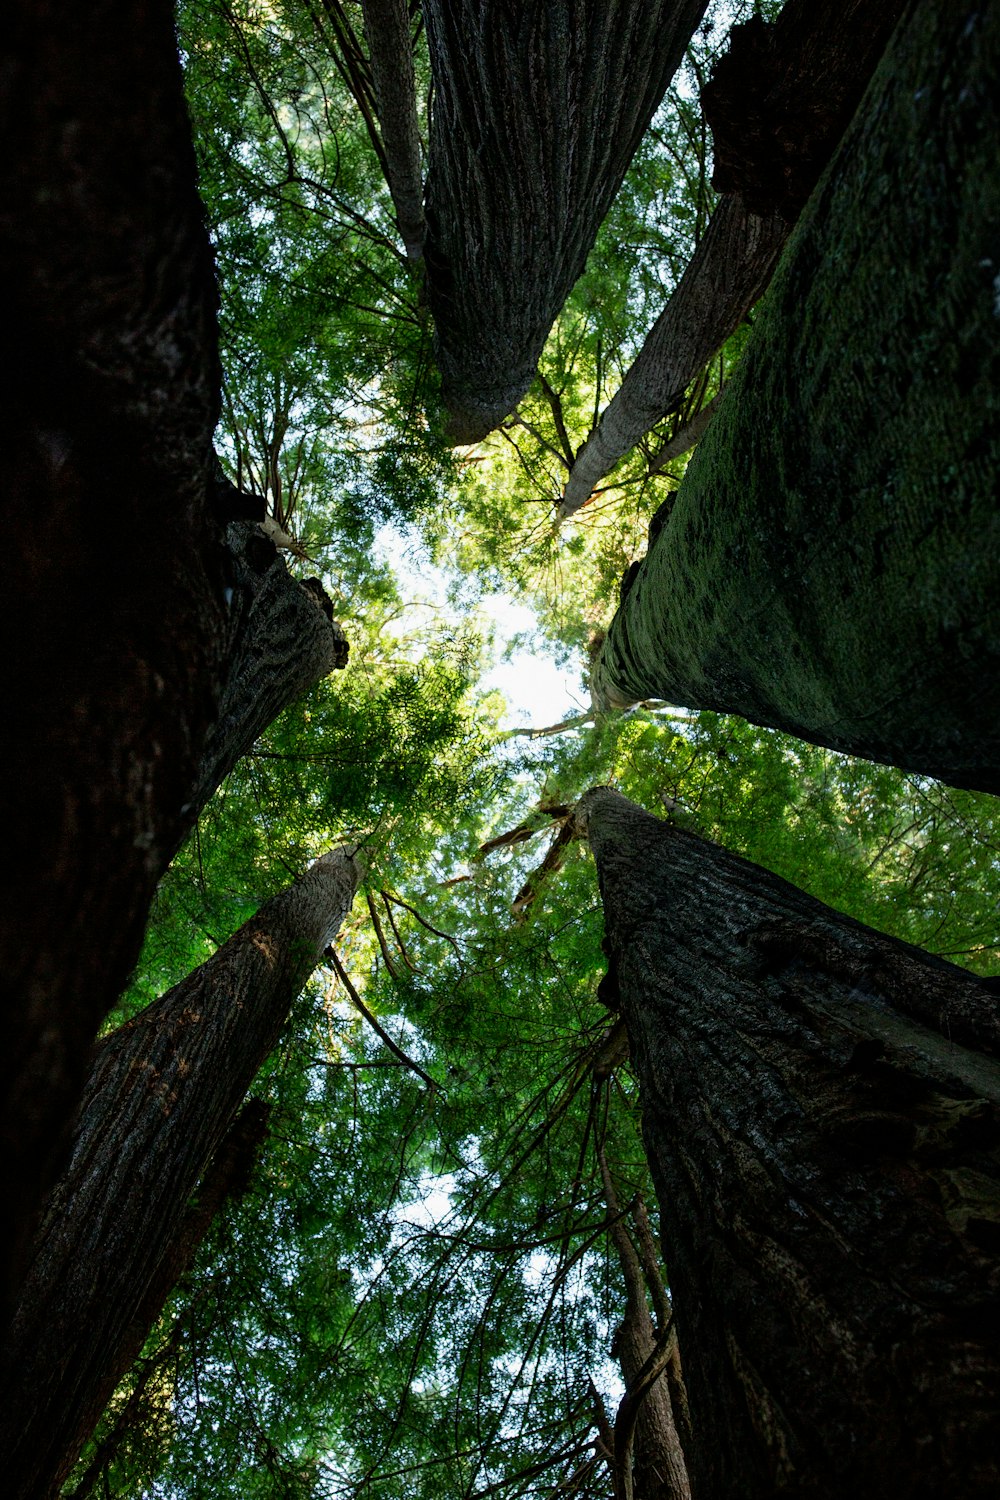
{"x":648,"y":1458}
{"x":727,"y":273}
{"x":111,"y":576}
{"x":390,"y":47}
{"x":830,"y":564}
{"x":778,"y":104}
{"x":538,"y":110}
{"x":821,"y":1112}
{"x":161,"y":1095}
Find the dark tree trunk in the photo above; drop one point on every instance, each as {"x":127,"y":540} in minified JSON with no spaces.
{"x":390,"y":47}
{"x":281,"y":639}
{"x":821,"y":1112}
{"x":830,"y":563}
{"x":161,"y":1095}
{"x":130,"y":617}
{"x":648,"y":1459}
{"x":778,"y":103}
{"x":538,"y":110}
{"x":111,"y":592}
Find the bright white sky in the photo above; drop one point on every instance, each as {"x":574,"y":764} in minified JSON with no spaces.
{"x":538,"y":691}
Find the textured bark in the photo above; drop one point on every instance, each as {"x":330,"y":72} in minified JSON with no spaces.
{"x":111,"y":577}
{"x":161,"y":1095}
{"x":821,"y":1113}
{"x":830,"y":564}
{"x":778,"y":103}
{"x":727,"y":273}
{"x":538,"y":110}
{"x":648,"y":1458}
{"x":390,"y":47}
{"x":280,"y":640}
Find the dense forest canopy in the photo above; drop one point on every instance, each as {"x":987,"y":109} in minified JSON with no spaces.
{"x":432,"y":1257}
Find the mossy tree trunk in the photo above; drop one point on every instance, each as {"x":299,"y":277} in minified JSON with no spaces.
{"x":821,"y":1113}
{"x":830,"y":565}
{"x":778,"y":103}
{"x":162,"y":1094}
{"x":538,"y":110}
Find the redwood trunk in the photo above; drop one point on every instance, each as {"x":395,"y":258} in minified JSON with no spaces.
{"x":390,"y":47}
{"x":111,"y":586}
{"x":160,"y":1098}
{"x":538,"y":110}
{"x":821,"y":1112}
{"x":830,"y":564}
{"x":778,"y":103}
{"x":280,"y":642}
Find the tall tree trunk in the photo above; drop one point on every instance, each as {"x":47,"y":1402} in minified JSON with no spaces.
{"x":111,"y":577}
{"x":648,"y":1457}
{"x":390,"y":47}
{"x":778,"y":103}
{"x":538,"y":110}
{"x":821,"y":1113}
{"x":161,"y":1095}
{"x":830,"y":564}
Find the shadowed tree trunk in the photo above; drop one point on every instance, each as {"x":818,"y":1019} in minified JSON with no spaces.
{"x":281,"y":639}
{"x":390,"y":48}
{"x":778,"y":103}
{"x":112,"y":582}
{"x":829,"y":566}
{"x":162,"y":1093}
{"x":538,"y":110}
{"x":133,"y":619}
{"x":821,"y":1113}
{"x":648,"y":1460}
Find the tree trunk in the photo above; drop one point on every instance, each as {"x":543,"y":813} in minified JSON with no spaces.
{"x":648,"y":1457}
{"x":161,"y":1095}
{"x":538,"y":110}
{"x":390,"y":47}
{"x":281,"y":640}
{"x":778,"y":103}
{"x":821,"y":1113}
{"x":111,"y":589}
{"x":830,"y":563}
{"x":727,"y":273}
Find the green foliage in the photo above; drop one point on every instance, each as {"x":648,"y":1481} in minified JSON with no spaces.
{"x":417,"y":1289}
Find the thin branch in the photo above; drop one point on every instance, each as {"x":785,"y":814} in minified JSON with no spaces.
{"x":379,"y":1030}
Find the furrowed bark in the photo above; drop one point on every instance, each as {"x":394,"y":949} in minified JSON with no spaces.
{"x":829,"y":566}
{"x":727,"y":273}
{"x":390,"y":47}
{"x":778,"y":103}
{"x":281,"y":640}
{"x":653,"y":1446}
{"x":821,"y":1113}
{"x":112,"y":571}
{"x":538,"y":110}
{"x":161,"y":1095}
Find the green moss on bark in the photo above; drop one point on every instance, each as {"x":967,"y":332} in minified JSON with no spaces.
{"x":831,"y":564}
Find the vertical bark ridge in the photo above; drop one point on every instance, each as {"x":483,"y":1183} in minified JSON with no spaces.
{"x":821,"y":1112}
{"x":161,"y":1095}
{"x":538,"y":110}
{"x":390,"y":47}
